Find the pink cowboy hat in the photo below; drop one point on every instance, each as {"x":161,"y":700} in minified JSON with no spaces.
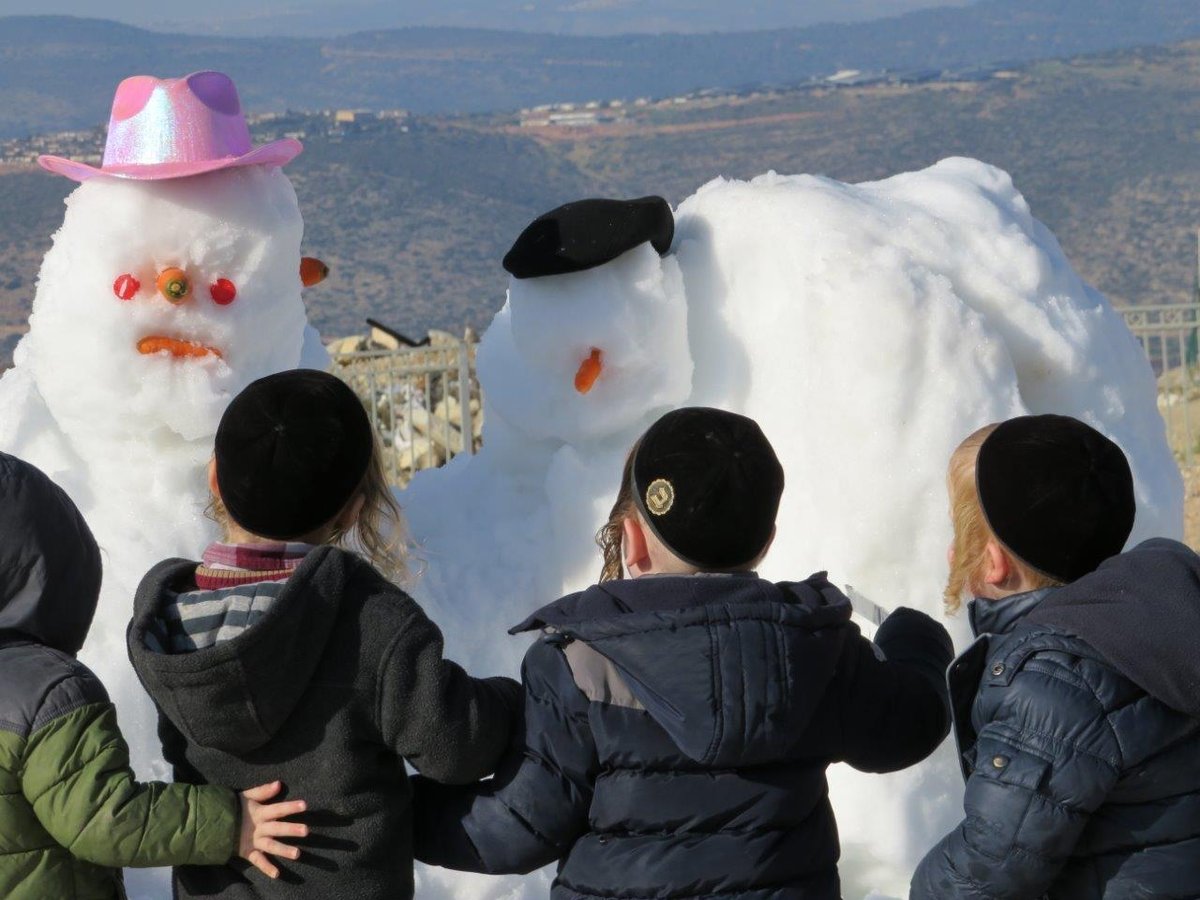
{"x":174,"y":127}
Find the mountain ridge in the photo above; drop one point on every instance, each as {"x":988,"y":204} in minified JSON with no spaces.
{"x":66,"y":80}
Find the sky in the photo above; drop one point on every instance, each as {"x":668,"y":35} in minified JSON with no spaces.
{"x":331,"y":17}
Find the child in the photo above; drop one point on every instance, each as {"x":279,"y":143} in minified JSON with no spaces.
{"x":1077,"y":710}
{"x":284,"y":652}
{"x":679,"y":723}
{"x":71,"y":814}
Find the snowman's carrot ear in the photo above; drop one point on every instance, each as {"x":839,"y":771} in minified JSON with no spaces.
{"x":312,"y":271}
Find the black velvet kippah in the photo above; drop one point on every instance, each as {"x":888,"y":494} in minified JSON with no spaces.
{"x":291,"y":449}
{"x":708,"y":484}
{"x":1057,"y":493}
{"x":589,"y":233}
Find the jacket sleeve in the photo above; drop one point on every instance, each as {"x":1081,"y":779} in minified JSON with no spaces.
{"x":895,"y":707}
{"x":1043,"y":764}
{"x":537,"y":806}
{"x":448,"y":725}
{"x":78,"y":780}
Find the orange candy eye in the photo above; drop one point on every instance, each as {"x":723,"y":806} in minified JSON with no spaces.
{"x":223,"y":291}
{"x":126,"y":287}
{"x":173,"y":284}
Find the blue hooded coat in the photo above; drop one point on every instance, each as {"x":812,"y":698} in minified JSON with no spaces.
{"x":677,"y":732}
{"x":1077,"y":712}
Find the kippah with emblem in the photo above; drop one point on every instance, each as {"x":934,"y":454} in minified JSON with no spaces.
{"x":708,"y":483}
{"x":588,"y":233}
{"x":1057,"y":493}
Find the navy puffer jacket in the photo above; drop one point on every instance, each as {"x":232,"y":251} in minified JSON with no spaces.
{"x":1078,"y":714}
{"x":677,"y":734}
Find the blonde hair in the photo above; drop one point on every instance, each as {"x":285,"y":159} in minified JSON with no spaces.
{"x":380,"y":532}
{"x":971,"y":530}
{"x":609,"y":537}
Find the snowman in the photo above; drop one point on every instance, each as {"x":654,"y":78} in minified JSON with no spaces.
{"x":868,"y":328}
{"x":589,"y":348}
{"x":173,"y":283}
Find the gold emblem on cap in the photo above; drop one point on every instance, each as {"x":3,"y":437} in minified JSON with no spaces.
{"x":660,"y":497}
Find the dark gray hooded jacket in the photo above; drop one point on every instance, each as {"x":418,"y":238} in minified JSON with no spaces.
{"x":331,"y":691}
{"x":677,"y":734}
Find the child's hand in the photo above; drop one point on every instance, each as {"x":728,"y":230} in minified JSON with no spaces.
{"x":261,"y":825}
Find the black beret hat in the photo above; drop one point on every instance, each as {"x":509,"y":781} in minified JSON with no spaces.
{"x":1057,"y":493}
{"x":589,"y":233}
{"x":708,"y":484}
{"x":291,"y":449}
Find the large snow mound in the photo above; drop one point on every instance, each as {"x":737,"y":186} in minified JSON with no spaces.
{"x":868,"y":328}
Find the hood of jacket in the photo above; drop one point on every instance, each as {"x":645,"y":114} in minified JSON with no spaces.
{"x":732,"y":667}
{"x":49,"y":562}
{"x":1141,"y":612}
{"x":1002,"y":616}
{"x":235,"y":695}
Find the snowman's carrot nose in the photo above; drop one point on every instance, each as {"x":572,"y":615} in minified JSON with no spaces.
{"x":589,"y":371}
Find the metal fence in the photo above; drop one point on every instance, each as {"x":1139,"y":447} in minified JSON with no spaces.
{"x":1170,"y":336}
{"x":424,"y":402}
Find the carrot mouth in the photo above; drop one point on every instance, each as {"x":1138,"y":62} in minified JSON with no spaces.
{"x":180,"y":349}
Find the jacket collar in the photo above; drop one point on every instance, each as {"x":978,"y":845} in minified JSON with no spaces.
{"x":1000,"y":616}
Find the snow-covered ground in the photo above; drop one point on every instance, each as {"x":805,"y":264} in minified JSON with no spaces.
{"x":867,"y":327}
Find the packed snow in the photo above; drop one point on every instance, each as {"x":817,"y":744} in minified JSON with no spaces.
{"x":128,"y":434}
{"x":867,"y":327}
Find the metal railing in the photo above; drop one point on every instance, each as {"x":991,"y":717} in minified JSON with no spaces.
{"x":424,"y":403}
{"x":1170,"y":337}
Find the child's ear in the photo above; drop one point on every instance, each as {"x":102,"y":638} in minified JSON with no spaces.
{"x":213,"y":487}
{"x":997,"y":567}
{"x":635,"y":548}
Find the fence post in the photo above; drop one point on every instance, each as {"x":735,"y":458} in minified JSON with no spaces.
{"x":464,"y":397}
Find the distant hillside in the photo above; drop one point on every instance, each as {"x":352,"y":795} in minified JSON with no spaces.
{"x":415,"y":223}
{"x":59,"y":73}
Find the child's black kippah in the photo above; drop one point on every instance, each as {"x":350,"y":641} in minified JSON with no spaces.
{"x":1057,"y":493}
{"x":291,"y":449}
{"x":588,"y":233}
{"x":708,"y":484}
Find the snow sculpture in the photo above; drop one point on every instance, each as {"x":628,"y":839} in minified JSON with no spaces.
{"x":173,"y":283}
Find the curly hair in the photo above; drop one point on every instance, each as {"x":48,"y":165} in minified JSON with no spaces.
{"x":611,"y":533}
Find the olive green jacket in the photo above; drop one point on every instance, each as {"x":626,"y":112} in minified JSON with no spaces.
{"x":71,"y":813}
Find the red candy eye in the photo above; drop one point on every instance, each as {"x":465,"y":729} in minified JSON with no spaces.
{"x":126,"y":286}
{"x":223,"y":291}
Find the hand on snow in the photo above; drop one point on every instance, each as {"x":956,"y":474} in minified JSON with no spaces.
{"x":261,"y":826}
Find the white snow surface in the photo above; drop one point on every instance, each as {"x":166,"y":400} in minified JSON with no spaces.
{"x":868,"y":328}
{"x":128,"y":435}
